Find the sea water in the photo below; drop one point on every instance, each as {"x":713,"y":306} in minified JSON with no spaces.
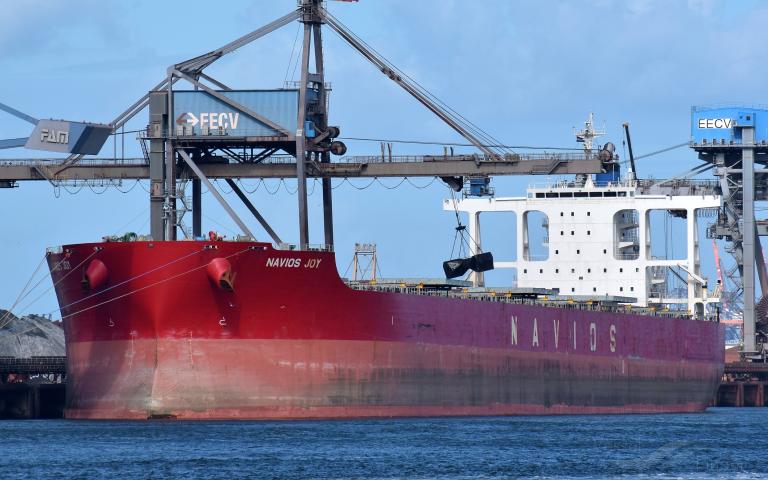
{"x":722,"y":443}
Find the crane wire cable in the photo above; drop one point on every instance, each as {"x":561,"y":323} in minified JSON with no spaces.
{"x":657,"y":152}
{"x":22,"y":293}
{"x":136,"y":277}
{"x":200,"y":267}
{"x":456,"y":144}
{"x":135,"y":217}
{"x":293,"y":48}
{"x":77,"y":267}
{"x":448,"y":111}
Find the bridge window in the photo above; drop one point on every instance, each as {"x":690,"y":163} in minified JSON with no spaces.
{"x":536,"y":231}
{"x":665,"y":226}
{"x":626,"y":232}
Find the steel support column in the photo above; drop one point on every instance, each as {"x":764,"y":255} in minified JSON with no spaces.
{"x":197,"y":208}
{"x":170,"y":169}
{"x":325,"y":157}
{"x":748,"y":238}
{"x":158,"y":123}
{"x":301,"y":174}
{"x":327,"y":207}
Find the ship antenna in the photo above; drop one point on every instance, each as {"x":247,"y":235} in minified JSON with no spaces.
{"x":587,"y":134}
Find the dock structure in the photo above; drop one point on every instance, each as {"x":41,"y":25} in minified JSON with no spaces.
{"x":745,"y":384}
{"x":32,"y":387}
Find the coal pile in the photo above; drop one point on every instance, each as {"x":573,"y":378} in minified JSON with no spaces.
{"x":30,"y":336}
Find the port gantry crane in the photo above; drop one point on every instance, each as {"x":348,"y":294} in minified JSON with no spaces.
{"x":733,"y":141}
{"x":176,"y":148}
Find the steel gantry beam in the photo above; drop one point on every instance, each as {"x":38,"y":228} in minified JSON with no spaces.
{"x":441,"y":166}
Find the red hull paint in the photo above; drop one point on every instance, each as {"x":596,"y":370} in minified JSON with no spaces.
{"x":292,"y":341}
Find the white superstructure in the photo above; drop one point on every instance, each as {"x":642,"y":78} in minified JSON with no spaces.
{"x":598,"y":238}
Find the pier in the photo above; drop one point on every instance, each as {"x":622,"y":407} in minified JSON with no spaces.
{"x":745,"y":384}
{"x":32,"y":388}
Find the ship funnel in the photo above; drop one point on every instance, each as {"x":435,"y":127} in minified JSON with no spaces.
{"x":95,"y":276}
{"x":220,"y":272}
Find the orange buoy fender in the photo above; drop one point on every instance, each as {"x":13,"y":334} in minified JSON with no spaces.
{"x":96,"y":275}
{"x":220,"y":272}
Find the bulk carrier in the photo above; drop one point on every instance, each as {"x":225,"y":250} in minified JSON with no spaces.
{"x":212,"y":329}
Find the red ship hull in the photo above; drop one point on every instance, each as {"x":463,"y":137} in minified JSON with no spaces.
{"x":161,"y":337}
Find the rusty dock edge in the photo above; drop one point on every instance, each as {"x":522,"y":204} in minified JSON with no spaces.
{"x":744,"y":384}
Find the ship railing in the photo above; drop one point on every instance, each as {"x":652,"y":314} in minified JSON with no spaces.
{"x":312,"y":247}
{"x":571,"y":184}
{"x":49,"y":162}
{"x":319,"y":247}
{"x":512,"y":157}
{"x":503,"y":298}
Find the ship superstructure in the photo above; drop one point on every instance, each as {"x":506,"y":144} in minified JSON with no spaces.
{"x":597,"y":238}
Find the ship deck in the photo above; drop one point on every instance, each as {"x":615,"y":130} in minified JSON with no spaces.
{"x":521,"y":296}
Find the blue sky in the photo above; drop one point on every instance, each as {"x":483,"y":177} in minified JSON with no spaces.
{"x":526,"y":71}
